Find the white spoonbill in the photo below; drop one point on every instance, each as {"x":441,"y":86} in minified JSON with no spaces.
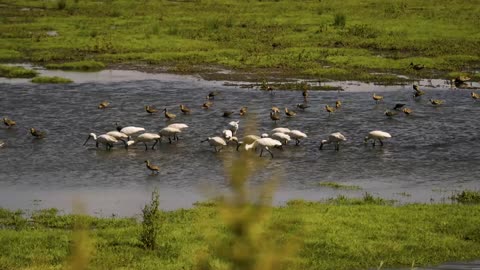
{"x":336,"y":138}
{"x":282,"y":137}
{"x":103,"y":139}
{"x":216,"y":142}
{"x":265,"y":144}
{"x":297,"y":135}
{"x":377,"y":135}
{"x":119,"y":136}
{"x":169,"y":132}
{"x":233,"y":126}
{"x":130,"y":130}
{"x":144,"y":138}
{"x":280,"y":129}
{"x":180,"y":126}
{"x":248,"y":139}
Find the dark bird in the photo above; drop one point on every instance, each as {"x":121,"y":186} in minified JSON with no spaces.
{"x":243,"y":111}
{"x":390,"y":113}
{"x":227,"y":113}
{"x":398,"y":106}
{"x":212,"y":94}
{"x":417,"y":66}
{"x":377,"y":98}
{"x":305,"y":94}
{"x":302,"y":106}
{"x":103,"y":104}
{"x":329,"y":109}
{"x":153,"y":168}
{"x":9,"y":122}
{"x":168,"y":115}
{"x":437,"y":101}
{"x":461,"y":79}
{"x":407,"y":111}
{"x":274,"y":116}
{"x":184,"y":109}
{"x":290,"y":113}
{"x":338,"y":104}
{"x":418,"y":92}
{"x":150,"y":109}
{"x":37,"y":133}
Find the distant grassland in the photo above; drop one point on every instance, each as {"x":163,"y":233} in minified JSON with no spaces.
{"x":325,"y":39}
{"x":342,"y":234}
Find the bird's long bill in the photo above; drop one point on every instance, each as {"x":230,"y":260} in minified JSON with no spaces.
{"x":87,"y":140}
{"x":204,"y":140}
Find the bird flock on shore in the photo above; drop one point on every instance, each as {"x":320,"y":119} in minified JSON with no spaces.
{"x":279,"y":137}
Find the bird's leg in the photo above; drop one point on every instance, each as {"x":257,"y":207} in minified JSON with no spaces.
{"x":261,"y":152}
{"x":298,"y":141}
{"x":215,"y":149}
{"x":373,"y":144}
{"x":124,"y":142}
{"x":153,"y":146}
{"x":337,"y":146}
{"x":381,"y":143}
{"x":96,"y":144}
{"x":170,"y":140}
{"x":146,"y":147}
{"x":266,"y":148}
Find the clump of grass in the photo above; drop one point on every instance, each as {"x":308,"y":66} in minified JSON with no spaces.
{"x":61,"y":4}
{"x":339,"y":20}
{"x":366,"y":199}
{"x":339,"y":186}
{"x":467,"y":197}
{"x":54,"y":79}
{"x":80,"y":66}
{"x":151,"y":222}
{"x":16,"y":72}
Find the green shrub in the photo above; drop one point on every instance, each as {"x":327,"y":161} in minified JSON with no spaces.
{"x":339,"y":20}
{"x":16,"y":72}
{"x":150,"y":223}
{"x":467,"y":197}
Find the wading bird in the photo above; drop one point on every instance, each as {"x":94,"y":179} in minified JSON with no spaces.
{"x":153,"y":168}
{"x":119,"y":136}
{"x":437,"y":101}
{"x":150,"y":109}
{"x":329,"y":109}
{"x":249,"y":139}
{"x":2,"y":143}
{"x":461,"y":79}
{"x":227,"y":113}
{"x":179,"y":126}
{"x":243,"y":111}
{"x":377,"y":135}
{"x":265,"y":144}
{"x":275,"y":109}
{"x":207,"y":105}
{"x":335,"y":138}
{"x":296,"y":135}
{"x":184,"y":109}
{"x":169,"y":131}
{"x":281,"y":129}
{"x":338,"y":104}
{"x":216,"y":142}
{"x":305,"y":94}
{"x":9,"y":122}
{"x":290,"y":113}
{"x":105,"y":139}
{"x":130,"y":130}
{"x":302,"y":106}
{"x":212,"y":94}
{"x":416,"y":66}
{"x":274,"y":116}
{"x":37,"y":133}
{"x":475,"y":95}
{"x":169,"y":116}
{"x":407,"y":111}
{"x":233,"y":126}
{"x":282,"y":137}
{"x":390,"y":113}
{"x":377,"y":98}
{"x":418,"y":92}
{"x":146,"y":138}
{"x":104,"y":104}
{"x":398,"y":106}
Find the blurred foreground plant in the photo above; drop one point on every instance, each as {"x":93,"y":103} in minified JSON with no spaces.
{"x":81,"y":249}
{"x":250,"y":242}
{"x":150,"y":223}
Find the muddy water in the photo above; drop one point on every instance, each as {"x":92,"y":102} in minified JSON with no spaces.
{"x":433,"y":152}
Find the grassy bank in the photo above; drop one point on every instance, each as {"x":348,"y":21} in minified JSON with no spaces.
{"x":340,"y":234}
{"x":325,"y":39}
{"x":54,"y":79}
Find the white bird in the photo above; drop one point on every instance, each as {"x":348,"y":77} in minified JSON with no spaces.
{"x":233,"y":126}
{"x":103,"y":139}
{"x":265,"y":143}
{"x":264,"y":135}
{"x":129,"y":131}
{"x":144,"y":138}
{"x":169,"y":132}
{"x":336,"y":138}
{"x":2,"y":143}
{"x":297,"y":135}
{"x":216,"y":142}
{"x":248,"y":139}
{"x":119,"y":136}
{"x":282,"y":137}
{"x":377,"y":135}
{"x":227,"y":134}
{"x":281,"y":130}
{"x":180,"y":126}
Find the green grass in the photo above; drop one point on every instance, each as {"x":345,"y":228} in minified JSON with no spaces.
{"x":336,"y":185}
{"x":467,"y":197}
{"x":54,"y":79}
{"x":78,"y":66}
{"x":16,"y":72}
{"x":310,"y":38}
{"x":333,"y":236}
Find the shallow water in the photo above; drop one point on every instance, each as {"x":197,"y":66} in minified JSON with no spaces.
{"x":433,"y":152}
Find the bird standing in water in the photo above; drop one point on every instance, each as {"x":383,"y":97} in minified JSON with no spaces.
{"x":104,"y":104}
{"x":9,"y":122}
{"x":168,"y":115}
{"x":150,"y":109}
{"x":184,"y":109}
{"x":377,"y":98}
{"x":37,"y":133}
{"x":153,"y":168}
